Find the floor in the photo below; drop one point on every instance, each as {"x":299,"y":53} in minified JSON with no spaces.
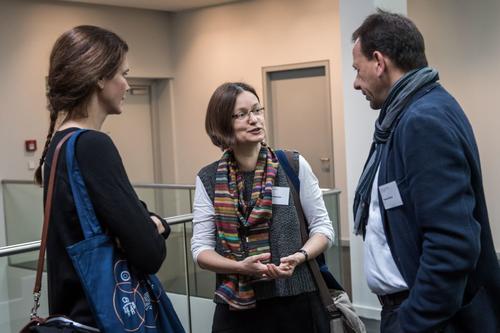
{"x":372,"y":326}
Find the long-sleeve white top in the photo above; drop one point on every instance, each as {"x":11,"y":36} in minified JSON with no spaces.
{"x":310,"y":196}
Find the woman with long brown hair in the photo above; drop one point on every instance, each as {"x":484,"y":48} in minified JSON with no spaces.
{"x":86,"y":83}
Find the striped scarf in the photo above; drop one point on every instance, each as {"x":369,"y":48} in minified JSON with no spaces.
{"x":243,"y":228}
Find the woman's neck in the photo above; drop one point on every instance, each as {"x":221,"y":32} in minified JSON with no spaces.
{"x":94,"y":119}
{"x":247,"y":156}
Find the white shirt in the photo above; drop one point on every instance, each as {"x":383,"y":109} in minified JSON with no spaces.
{"x":382,"y":274}
{"x":310,"y":196}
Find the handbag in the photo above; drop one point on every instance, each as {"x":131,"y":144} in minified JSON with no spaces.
{"x":122,"y":299}
{"x":57,"y":324}
{"x":343,"y":318}
{"x":52,"y":324}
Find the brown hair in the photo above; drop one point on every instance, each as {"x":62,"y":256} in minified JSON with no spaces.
{"x":219,"y":120}
{"x":80,"y":58}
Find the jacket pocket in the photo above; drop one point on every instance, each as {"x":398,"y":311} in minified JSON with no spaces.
{"x":476,"y":316}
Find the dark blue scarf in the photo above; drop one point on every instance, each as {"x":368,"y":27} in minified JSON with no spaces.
{"x":392,"y":110}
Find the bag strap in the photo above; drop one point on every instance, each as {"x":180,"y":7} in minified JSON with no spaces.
{"x":84,"y":208}
{"x":285,"y":159}
{"x":45,"y":227}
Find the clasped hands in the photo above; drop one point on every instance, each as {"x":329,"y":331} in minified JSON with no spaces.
{"x":254,"y":266}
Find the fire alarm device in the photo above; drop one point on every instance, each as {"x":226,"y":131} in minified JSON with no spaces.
{"x":30,"y":145}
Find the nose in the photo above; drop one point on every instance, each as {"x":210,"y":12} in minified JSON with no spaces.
{"x":127,"y":87}
{"x":356,"y":84}
{"x":252,"y":118}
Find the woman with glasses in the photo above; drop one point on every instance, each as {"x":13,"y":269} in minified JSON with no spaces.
{"x":246,"y":229}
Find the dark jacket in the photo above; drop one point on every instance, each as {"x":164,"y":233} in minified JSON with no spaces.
{"x":440,"y":237}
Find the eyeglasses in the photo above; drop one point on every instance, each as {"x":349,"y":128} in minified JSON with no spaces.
{"x":257,"y":112}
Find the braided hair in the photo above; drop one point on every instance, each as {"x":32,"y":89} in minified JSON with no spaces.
{"x":79,"y":59}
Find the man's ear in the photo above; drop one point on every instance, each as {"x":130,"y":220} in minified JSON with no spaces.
{"x":380,"y":63}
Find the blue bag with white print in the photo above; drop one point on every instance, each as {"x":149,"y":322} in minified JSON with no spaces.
{"x":121,"y":299}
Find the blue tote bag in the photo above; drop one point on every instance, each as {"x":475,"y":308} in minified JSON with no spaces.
{"x":121,"y":300}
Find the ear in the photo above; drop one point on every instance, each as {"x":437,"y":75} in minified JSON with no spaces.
{"x":380,"y":63}
{"x":100,"y":84}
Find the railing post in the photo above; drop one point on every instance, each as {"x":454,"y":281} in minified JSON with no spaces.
{"x":186,"y":270}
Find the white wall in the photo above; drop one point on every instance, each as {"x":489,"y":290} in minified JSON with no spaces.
{"x":462,"y":43}
{"x":359,"y":120}
{"x":233,"y":43}
{"x":28,"y":29}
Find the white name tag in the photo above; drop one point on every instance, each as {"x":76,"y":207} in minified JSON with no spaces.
{"x":390,"y":195}
{"x":281,"y":195}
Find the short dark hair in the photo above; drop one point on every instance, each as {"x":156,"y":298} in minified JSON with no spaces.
{"x":219,"y":120}
{"x":394,"y":35}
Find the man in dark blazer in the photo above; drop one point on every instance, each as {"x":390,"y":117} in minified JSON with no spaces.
{"x":419,"y":204}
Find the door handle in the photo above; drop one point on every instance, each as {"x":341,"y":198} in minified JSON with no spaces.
{"x":325,"y":164}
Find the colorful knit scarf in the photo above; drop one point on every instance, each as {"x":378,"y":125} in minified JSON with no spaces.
{"x":243,"y":230}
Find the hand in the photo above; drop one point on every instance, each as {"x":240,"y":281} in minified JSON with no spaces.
{"x":286,"y":267}
{"x":159,"y":225}
{"x":253,"y":265}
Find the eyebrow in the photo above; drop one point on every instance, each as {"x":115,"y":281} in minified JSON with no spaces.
{"x":255,"y":106}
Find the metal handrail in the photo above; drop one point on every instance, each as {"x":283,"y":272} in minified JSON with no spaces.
{"x":17,"y":181}
{"x":179,"y":219}
{"x":138,"y":185}
{"x":158,"y":185}
{"x":164,"y":186}
{"x":9,"y":250}
{"x":330,"y":191}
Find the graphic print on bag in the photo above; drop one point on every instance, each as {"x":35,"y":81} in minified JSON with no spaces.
{"x":132,"y":300}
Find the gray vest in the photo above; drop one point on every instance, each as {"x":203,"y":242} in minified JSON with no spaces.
{"x":284,"y":239}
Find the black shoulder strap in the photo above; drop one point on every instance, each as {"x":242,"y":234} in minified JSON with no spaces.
{"x":285,"y":159}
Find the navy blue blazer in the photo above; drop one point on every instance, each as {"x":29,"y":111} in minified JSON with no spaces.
{"x":440,"y":237}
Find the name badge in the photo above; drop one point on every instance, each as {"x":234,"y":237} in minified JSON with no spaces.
{"x":390,"y":195}
{"x":281,"y":195}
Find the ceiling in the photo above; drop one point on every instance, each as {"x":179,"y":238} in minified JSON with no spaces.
{"x":166,"y":5}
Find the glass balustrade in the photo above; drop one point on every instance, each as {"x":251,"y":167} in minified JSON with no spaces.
{"x":333,"y":255}
{"x":189,"y":287}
